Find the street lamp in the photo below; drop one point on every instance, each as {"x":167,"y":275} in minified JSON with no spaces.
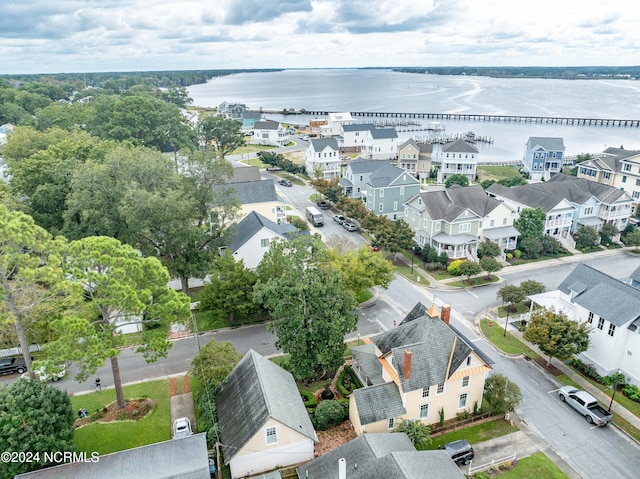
{"x":506,"y":321}
{"x":615,"y":386}
{"x":413,"y":250}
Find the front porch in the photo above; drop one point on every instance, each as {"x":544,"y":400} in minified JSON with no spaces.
{"x":461,"y":246}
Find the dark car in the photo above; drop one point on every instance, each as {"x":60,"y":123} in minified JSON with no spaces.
{"x":460,"y":451}
{"x":12,"y":365}
{"x":284,"y":182}
{"x":323,"y":205}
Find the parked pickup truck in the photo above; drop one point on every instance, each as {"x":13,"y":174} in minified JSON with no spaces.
{"x":585,"y":404}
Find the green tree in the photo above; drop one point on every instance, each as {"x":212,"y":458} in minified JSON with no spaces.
{"x":394,"y":236}
{"x":530,"y":223}
{"x":607,"y":232}
{"x":32,"y":283}
{"x":510,"y":294}
{"x":352,"y":208}
{"x":531,"y":286}
{"x":632,"y":239}
{"x":225,"y":134}
{"x":121,"y":288}
{"x":35,"y":418}
{"x":486,"y":183}
{"x":533,"y":247}
{"x":418,"y":432}
{"x":468,"y":269}
{"x":513,"y":181}
{"x":490,"y":265}
{"x":500,"y":394}
{"x":25,"y":141}
{"x":488,"y":248}
{"x":328,"y":413}
{"x":556,"y":335}
{"x":179,"y":96}
{"x":310,"y":306}
{"x":362,"y":268}
{"x":456,"y":179}
{"x":587,"y":237}
{"x":230,"y":289}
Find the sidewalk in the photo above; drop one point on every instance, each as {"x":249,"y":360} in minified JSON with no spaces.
{"x":568,"y":371}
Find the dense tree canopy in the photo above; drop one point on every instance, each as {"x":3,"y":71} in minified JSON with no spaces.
{"x":225,"y":134}
{"x":362,"y":268}
{"x":530,"y":223}
{"x":457,"y":179}
{"x":500,"y":394}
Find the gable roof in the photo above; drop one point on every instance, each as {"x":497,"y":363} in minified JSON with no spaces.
{"x":460,"y":146}
{"x":185,"y":458}
{"x":409,"y":142}
{"x":252,"y":224}
{"x":248,"y":192}
{"x":449,"y":204}
{"x":378,"y":402}
{"x":547,"y":143}
{"x":319,"y":144}
{"x":252,"y":394}
{"x":358,"y":127}
{"x":609,"y":298}
{"x":245,"y":173}
{"x":382,"y":456}
{"x":251,"y":115}
{"x":360,"y":165}
{"x":266,"y":125}
{"x":383,"y":133}
{"x":437,"y":351}
{"x":384,"y":175}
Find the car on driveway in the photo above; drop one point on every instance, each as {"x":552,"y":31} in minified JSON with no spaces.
{"x":323,"y":205}
{"x":460,"y":451}
{"x":339,"y":219}
{"x":284,"y":182}
{"x":181,"y":428}
{"x":349,"y":226}
{"x":12,"y":365}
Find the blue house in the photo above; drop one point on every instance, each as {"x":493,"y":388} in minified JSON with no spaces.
{"x":249,"y":119}
{"x":388,"y":188}
{"x":543,"y":157}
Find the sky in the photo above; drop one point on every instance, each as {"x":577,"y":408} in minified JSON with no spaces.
{"x":45,"y":36}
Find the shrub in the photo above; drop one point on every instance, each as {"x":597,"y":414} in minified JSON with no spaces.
{"x":435,"y":266}
{"x":509,"y":256}
{"x":309,"y":399}
{"x":462,"y":415}
{"x":517,"y":253}
{"x":329,"y":413}
{"x":454,"y":267}
{"x":632,"y":392}
{"x":441,"y":414}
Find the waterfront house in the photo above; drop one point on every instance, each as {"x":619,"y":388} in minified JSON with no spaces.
{"x":381,"y":456}
{"x":543,"y":157}
{"x":355,"y":176}
{"x":369,"y":141}
{"x":611,"y":308}
{"x":249,"y":119}
{"x":262,"y":420}
{"x":455,"y":220}
{"x":232,"y":111}
{"x":456,"y":158}
{"x":269,"y":132}
{"x":415,"y":158}
{"x":617,"y":167}
{"x":323,"y":158}
{"x":335,"y":122}
{"x":420,"y":370}
{"x":387,"y":190}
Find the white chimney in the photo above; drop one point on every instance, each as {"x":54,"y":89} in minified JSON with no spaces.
{"x":342,"y":468}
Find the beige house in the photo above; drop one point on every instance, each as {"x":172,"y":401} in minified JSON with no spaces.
{"x":414,"y":372}
{"x":415,"y":158}
{"x":260,"y":431}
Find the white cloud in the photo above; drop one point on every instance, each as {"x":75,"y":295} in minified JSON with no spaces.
{"x":99,"y":35}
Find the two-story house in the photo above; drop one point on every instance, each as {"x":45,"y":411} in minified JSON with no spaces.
{"x":355,"y":176}
{"x":232,"y":111}
{"x":369,"y":141}
{"x":611,"y":308}
{"x":456,"y":158}
{"x":415,"y":158}
{"x":387,"y":190}
{"x":334,"y":123}
{"x":353,"y":138}
{"x":249,"y":120}
{"x":543,"y":157}
{"x":323,"y":158}
{"x":420,"y":369}
{"x":269,"y":132}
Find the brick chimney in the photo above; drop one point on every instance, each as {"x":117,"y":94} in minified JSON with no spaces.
{"x":407,"y":364}
{"x":445,"y":315}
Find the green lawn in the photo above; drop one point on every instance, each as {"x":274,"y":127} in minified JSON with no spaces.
{"x":508,"y":344}
{"x":477,"y":281}
{"x":363,"y":296}
{"x":474,"y":434}
{"x":105,"y":438}
{"x":536,"y":466}
{"x":496,"y":172}
{"x":520,"y":308}
{"x":412,"y":276}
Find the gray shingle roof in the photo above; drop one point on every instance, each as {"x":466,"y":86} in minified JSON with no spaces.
{"x":449,"y":204}
{"x":609,"y":298}
{"x":382,"y":456}
{"x":245,"y":173}
{"x":548,"y":143}
{"x":360,"y":165}
{"x":251,"y":224}
{"x":358,"y":127}
{"x":382,"y":133}
{"x":384,"y":175}
{"x":320,"y":144}
{"x":266,"y":125}
{"x":378,"y":402}
{"x":248,"y":192}
{"x":253,"y":393}
{"x":185,"y":458}
{"x":460,"y":146}
{"x":367,"y":363}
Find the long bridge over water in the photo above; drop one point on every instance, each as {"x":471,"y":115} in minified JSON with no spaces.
{"x":483,"y":117}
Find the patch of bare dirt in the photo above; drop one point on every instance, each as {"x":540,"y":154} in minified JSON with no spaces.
{"x":134,"y":410}
{"x":551,"y":369}
{"x":334,"y":437}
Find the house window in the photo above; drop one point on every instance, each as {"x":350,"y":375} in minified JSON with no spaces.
{"x":504,"y":221}
{"x":635,"y":194}
{"x":413,"y":215}
{"x":465,"y":382}
{"x":462,"y":400}
{"x":492,"y":223}
{"x":465,"y":227}
{"x":612,"y":329}
{"x":624,"y":179}
{"x":271,"y":435}
{"x":391,"y":423}
{"x":469,"y":361}
{"x":425,"y":222}
{"x":381,"y":193}
{"x":264,"y":243}
{"x":402,"y":191}
{"x":607,"y":175}
{"x":395,"y":206}
{"x":425,"y":392}
{"x":627,"y":167}
{"x":424,"y":411}
{"x":438,"y":226}
{"x":380,"y":207}
{"x":590,"y":318}
{"x":600,"y":323}
{"x":440,"y":389}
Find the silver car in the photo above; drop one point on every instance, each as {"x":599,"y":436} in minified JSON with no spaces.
{"x":349,"y":226}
